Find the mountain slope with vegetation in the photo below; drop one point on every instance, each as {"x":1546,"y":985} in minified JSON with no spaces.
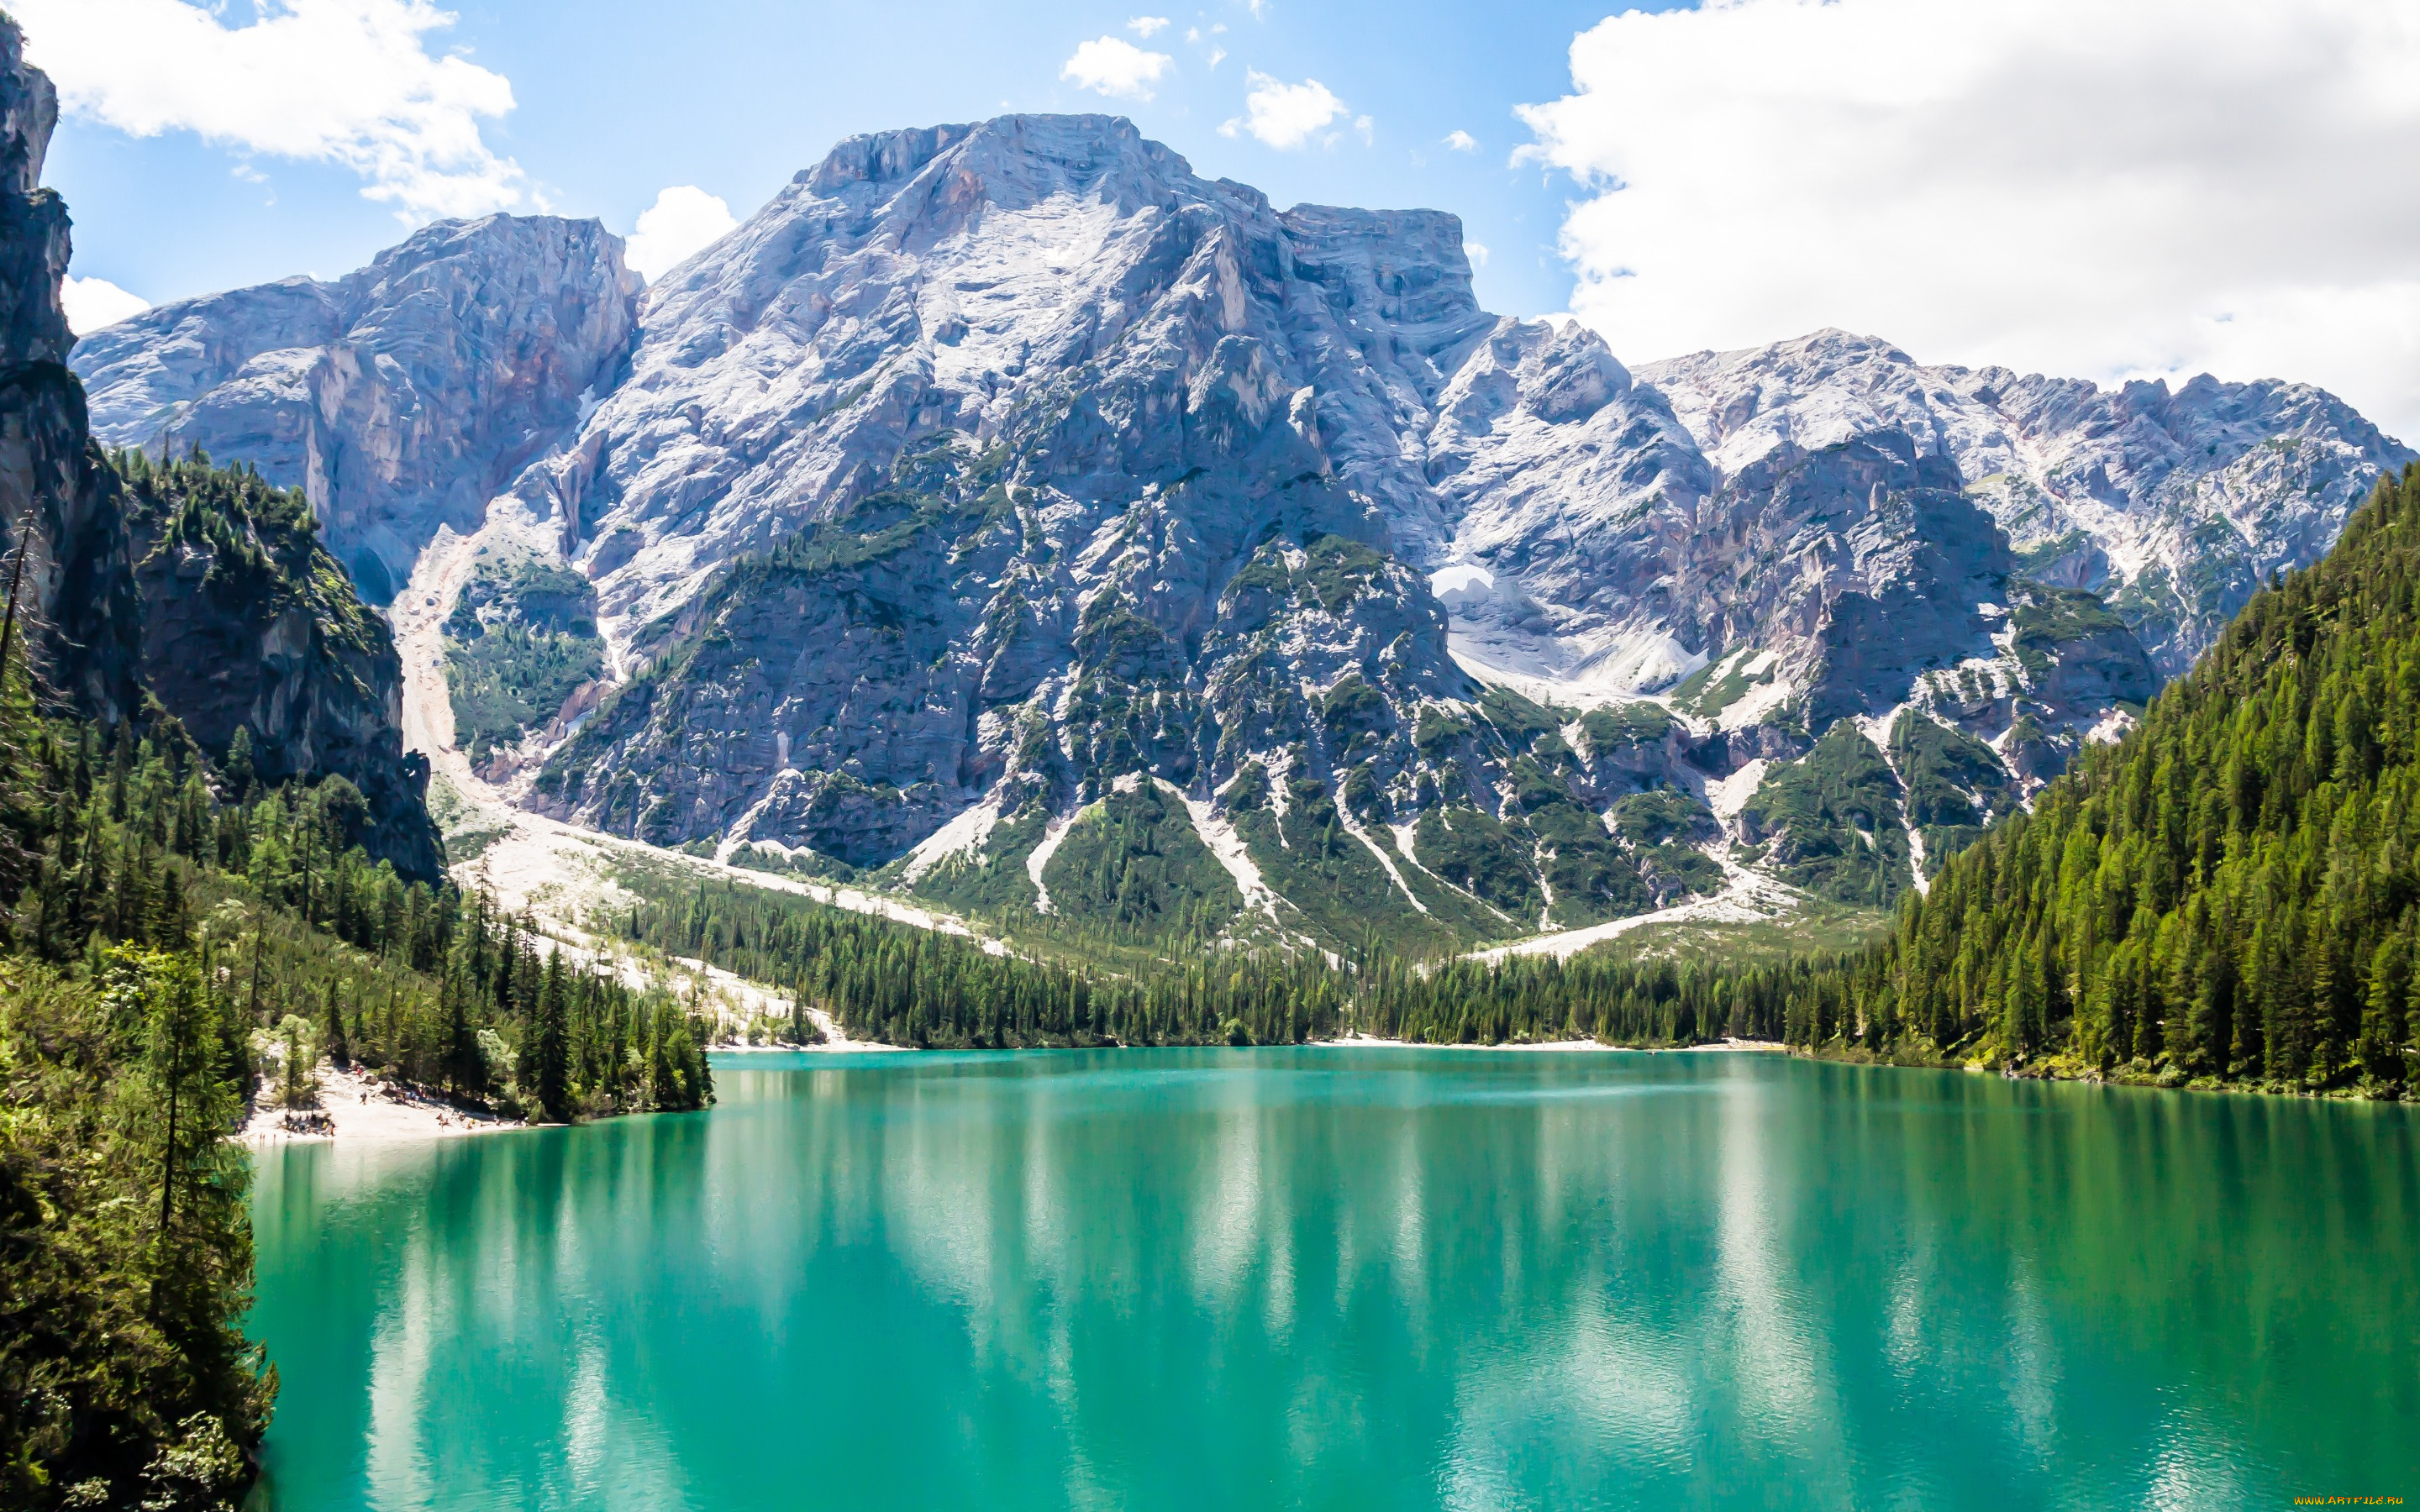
{"x":159,"y":947}
{"x":2230,"y":896}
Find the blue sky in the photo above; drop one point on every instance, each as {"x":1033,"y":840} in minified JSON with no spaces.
{"x":2150,"y":189}
{"x":613,"y":101}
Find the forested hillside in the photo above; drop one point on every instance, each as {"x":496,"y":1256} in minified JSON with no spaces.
{"x":2230,"y":895}
{"x":169,"y":928}
{"x":891,"y":982}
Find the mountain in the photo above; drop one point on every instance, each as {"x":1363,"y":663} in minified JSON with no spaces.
{"x":1009,"y":513}
{"x":2227,"y":895}
{"x":178,"y":595}
{"x":401,"y":397}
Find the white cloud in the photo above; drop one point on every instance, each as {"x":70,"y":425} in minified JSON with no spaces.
{"x":1114,"y":67}
{"x":95,"y":302}
{"x":2068,"y":186}
{"x":1218,"y":55}
{"x":684,"y":219}
{"x":1364,"y":130}
{"x":1477,"y":252}
{"x":1461,"y":141}
{"x":1146,"y":27}
{"x":1284,"y":116}
{"x":347,"y":82}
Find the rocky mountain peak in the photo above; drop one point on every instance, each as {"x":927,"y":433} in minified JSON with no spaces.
{"x":401,"y":397}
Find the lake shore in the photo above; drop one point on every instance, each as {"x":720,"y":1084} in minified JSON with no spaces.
{"x":1373,"y":1041}
{"x":357,"y":1110}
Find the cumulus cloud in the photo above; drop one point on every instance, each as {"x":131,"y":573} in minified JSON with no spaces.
{"x":1461,"y":141}
{"x":683,"y":219}
{"x":2070,"y":186}
{"x":1476,"y":252}
{"x":1146,"y":27}
{"x":95,"y":302}
{"x":1284,"y":116}
{"x":1114,"y":67}
{"x":347,"y":82}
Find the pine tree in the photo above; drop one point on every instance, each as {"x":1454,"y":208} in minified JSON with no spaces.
{"x":546,"y":1060}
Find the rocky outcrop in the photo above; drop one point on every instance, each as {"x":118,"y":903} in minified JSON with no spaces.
{"x":249,"y":623}
{"x":399,"y":398}
{"x":55,"y":495}
{"x":194,"y":591}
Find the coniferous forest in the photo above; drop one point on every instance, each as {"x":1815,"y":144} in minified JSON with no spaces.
{"x":173,"y":928}
{"x":2229,"y":897}
{"x":901,"y":985}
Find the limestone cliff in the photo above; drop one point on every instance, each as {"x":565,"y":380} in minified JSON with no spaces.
{"x":399,"y":398}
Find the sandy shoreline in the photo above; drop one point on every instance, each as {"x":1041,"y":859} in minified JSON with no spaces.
{"x":360,"y":1111}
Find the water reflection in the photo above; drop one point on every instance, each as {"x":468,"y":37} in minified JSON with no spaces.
{"x":1352,"y":1278}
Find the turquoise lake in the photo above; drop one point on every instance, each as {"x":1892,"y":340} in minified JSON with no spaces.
{"x":1355,"y":1278}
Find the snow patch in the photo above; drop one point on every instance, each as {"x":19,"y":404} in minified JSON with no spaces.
{"x":1461,"y":584}
{"x":1353,"y":827}
{"x":1762,"y":699}
{"x":2111,"y":730}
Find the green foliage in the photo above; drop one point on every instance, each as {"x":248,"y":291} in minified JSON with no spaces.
{"x":521,"y":639}
{"x":1834,"y":818}
{"x":2230,"y":895}
{"x":1624,"y":727}
{"x":896,"y":984}
{"x":1132,"y":865}
{"x":1340,"y":569}
{"x":151,"y":934}
{"x":261,"y":543}
{"x":2048,"y":618}
{"x":1955,"y":784}
{"x":1663,"y":814}
{"x":1309,"y":855}
{"x":1519,"y":721}
{"x":1438,"y":731}
{"x":122,"y":1217}
{"x":1473,"y":850}
{"x":1719,"y":684}
{"x":1588,"y":878}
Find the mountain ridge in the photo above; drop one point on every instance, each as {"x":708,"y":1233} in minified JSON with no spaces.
{"x":1165,"y":483}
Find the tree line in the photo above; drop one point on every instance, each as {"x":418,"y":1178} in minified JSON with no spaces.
{"x":883,"y":980}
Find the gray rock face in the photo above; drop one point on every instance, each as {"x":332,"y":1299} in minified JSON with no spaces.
{"x":401,"y":397}
{"x":127,"y":613}
{"x":2174,"y":506}
{"x":990,"y":466}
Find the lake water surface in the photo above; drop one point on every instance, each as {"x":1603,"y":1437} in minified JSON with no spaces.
{"x":1355,"y":1278}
